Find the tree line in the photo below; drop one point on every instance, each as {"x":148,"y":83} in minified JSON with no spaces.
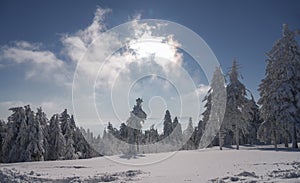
{"x":30,"y":136}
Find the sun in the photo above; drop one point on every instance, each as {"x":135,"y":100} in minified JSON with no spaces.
{"x":147,"y":47}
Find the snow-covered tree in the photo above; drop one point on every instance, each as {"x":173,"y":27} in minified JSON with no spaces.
{"x":35,"y":150}
{"x":57,"y":140}
{"x":19,"y":137}
{"x":109,"y":143}
{"x":151,"y":135}
{"x":254,"y":123}
{"x":82,"y":148}
{"x":7,"y":142}
{"x":123,"y":132}
{"x":237,"y":113}
{"x":177,"y":131}
{"x":3,"y":131}
{"x":168,"y":127}
{"x":41,"y":117}
{"x":137,"y":116}
{"x":69,"y":135}
{"x":187,"y":134}
{"x":214,"y":112}
{"x":280,"y":90}
{"x":64,"y":120}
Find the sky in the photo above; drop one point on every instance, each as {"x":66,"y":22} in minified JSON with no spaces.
{"x":43,"y":43}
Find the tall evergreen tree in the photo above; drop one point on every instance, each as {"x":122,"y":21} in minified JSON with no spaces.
{"x":3,"y":131}
{"x":154,"y":136}
{"x":177,"y":131}
{"x":69,"y":135}
{"x":35,"y":150}
{"x":214,"y":111}
{"x":280,"y":89}
{"x":137,"y":117}
{"x":187,"y":136}
{"x":237,"y":114}
{"x":123,"y":132}
{"x":57,"y":140}
{"x":16,"y":123}
{"x":168,"y":127}
{"x":41,"y":117}
{"x":254,"y":123}
{"x":64,"y":120}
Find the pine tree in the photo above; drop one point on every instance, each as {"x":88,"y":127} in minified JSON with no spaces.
{"x":177,"y":131}
{"x":41,"y":117}
{"x":68,"y":127}
{"x":17,"y":153}
{"x":199,"y":132}
{"x":64,"y":119}
{"x":35,"y":150}
{"x":237,"y":114}
{"x":57,"y":140}
{"x":254,"y":123}
{"x":187,"y":134}
{"x":69,"y":135}
{"x":3,"y":131}
{"x":7,"y":142}
{"x":214,"y":112}
{"x":82,"y":148}
{"x":123,"y":132}
{"x":168,"y":127}
{"x":137,"y":116}
{"x":280,"y":90}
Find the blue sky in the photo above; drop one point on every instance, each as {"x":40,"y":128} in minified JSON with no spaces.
{"x":244,"y":30}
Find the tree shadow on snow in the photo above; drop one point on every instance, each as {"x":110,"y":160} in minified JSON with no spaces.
{"x":132,"y":156}
{"x":282,"y":149}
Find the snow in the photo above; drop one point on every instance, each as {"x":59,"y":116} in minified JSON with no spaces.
{"x":256,"y":164}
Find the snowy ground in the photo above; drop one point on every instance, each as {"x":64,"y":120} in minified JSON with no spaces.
{"x":249,"y":164}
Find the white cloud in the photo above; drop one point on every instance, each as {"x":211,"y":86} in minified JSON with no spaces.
{"x":49,"y":107}
{"x":76,"y":45}
{"x":43,"y":63}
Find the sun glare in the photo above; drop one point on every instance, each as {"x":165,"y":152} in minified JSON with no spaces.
{"x":147,"y":47}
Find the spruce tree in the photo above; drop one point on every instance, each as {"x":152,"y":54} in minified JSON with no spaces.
{"x":137,"y":117}
{"x":214,"y":111}
{"x":237,"y":114}
{"x":64,"y":120}
{"x":280,"y":90}
{"x":187,"y":136}
{"x":3,"y":131}
{"x":177,"y":131}
{"x":57,"y":140}
{"x":69,"y":135}
{"x":17,"y":153}
{"x":35,"y":150}
{"x":41,"y":117}
{"x":168,"y":127}
{"x":123,"y":132}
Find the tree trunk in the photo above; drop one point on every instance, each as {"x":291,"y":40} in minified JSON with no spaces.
{"x":275,"y":139}
{"x":294,"y":137}
{"x":220,"y":140}
{"x":237,"y":137}
{"x":137,"y":146}
{"x":137,"y":140}
{"x":286,"y":142}
{"x":131,"y":138}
